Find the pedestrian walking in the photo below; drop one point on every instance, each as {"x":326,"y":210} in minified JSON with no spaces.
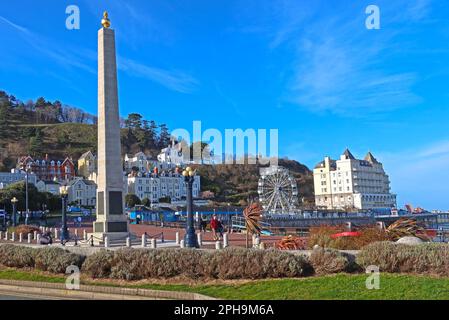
{"x":214,"y":225}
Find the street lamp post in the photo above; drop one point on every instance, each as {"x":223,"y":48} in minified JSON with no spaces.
{"x":64,"y":231}
{"x":14,"y":211}
{"x":27,"y":210}
{"x":191,"y":240}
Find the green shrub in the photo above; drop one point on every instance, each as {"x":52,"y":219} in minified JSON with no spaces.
{"x":175,"y":262}
{"x":130,"y":264}
{"x":232,"y":263}
{"x":429,"y":258}
{"x":239,"y":263}
{"x":17,"y":256}
{"x":56,"y":260}
{"x":328,"y":261}
{"x":99,"y":264}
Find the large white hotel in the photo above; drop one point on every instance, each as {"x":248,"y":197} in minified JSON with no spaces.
{"x":350,"y":183}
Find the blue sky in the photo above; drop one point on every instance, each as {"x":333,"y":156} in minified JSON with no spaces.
{"x":308,"y":68}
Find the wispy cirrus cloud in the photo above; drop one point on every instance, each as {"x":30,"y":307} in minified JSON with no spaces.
{"x":48,"y":48}
{"x":174,"y":80}
{"x":85,"y":59}
{"x":15,"y":26}
{"x":338,"y":66}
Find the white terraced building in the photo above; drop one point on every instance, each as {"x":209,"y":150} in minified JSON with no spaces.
{"x":7,"y":178}
{"x":83,"y":192}
{"x":350,"y":183}
{"x":156,"y":186}
{"x":145,"y":164}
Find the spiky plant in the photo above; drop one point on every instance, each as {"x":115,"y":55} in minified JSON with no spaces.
{"x":253,"y":215}
{"x":406,"y":228}
{"x":291,"y":243}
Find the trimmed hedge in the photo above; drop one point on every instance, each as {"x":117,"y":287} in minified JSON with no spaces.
{"x":54,"y":260}
{"x":329,"y":261}
{"x":391,"y":257}
{"x":16,"y":256}
{"x":231,"y":263}
{"x":99,"y":264}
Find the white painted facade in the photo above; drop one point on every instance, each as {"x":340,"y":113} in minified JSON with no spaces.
{"x":83,"y":192}
{"x":49,"y":187}
{"x":350,"y":183}
{"x":155,"y":187}
{"x":145,"y":164}
{"x":173,"y":155}
{"x":7,"y":178}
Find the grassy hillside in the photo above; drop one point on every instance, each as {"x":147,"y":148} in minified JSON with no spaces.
{"x":231,"y":183}
{"x":238,"y":183}
{"x":50,"y":128}
{"x":59,"y":141}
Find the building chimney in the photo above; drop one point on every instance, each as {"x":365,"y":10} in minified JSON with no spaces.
{"x":327,"y":162}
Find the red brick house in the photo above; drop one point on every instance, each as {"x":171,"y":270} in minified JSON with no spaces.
{"x":48,"y":169}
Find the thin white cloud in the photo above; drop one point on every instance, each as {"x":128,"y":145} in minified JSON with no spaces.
{"x":174,"y":80}
{"x":338,"y":66}
{"x":66,"y":58}
{"x":83,"y":59}
{"x":15,"y":26}
{"x":438,"y":149}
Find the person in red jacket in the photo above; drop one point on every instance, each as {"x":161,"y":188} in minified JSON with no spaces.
{"x":215,"y":225}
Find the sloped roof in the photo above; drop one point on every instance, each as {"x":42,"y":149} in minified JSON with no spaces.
{"x":370,"y":158}
{"x":86,"y":154}
{"x":50,"y":182}
{"x":85,"y":181}
{"x":348,"y":154}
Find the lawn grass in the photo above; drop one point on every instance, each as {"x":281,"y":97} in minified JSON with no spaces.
{"x":338,"y":287}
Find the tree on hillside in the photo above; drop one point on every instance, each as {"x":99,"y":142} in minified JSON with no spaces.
{"x":152,"y":134}
{"x":5,"y":127}
{"x":150,"y":128}
{"x":164,"y":136}
{"x":134,"y":121}
{"x":36,"y":143}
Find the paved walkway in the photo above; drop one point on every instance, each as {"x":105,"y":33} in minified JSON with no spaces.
{"x":235,"y":239}
{"x":44,"y":290}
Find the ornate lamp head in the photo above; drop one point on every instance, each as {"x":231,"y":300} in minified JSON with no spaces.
{"x":64,"y":190}
{"x":189,"y":172}
{"x":105,"y":21}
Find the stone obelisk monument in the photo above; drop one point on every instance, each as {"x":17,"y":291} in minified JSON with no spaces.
{"x":111,"y":219}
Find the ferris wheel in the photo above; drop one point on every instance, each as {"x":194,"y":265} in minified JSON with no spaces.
{"x":278,"y":191}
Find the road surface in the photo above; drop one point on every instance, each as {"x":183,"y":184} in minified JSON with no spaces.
{"x":19,"y":296}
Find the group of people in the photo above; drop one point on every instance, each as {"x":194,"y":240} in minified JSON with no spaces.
{"x":215,"y":224}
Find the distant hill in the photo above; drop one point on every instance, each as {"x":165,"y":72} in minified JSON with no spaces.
{"x":239,"y":183}
{"x":42,"y":127}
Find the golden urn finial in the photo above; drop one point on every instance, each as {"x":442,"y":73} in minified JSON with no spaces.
{"x":105,"y":21}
